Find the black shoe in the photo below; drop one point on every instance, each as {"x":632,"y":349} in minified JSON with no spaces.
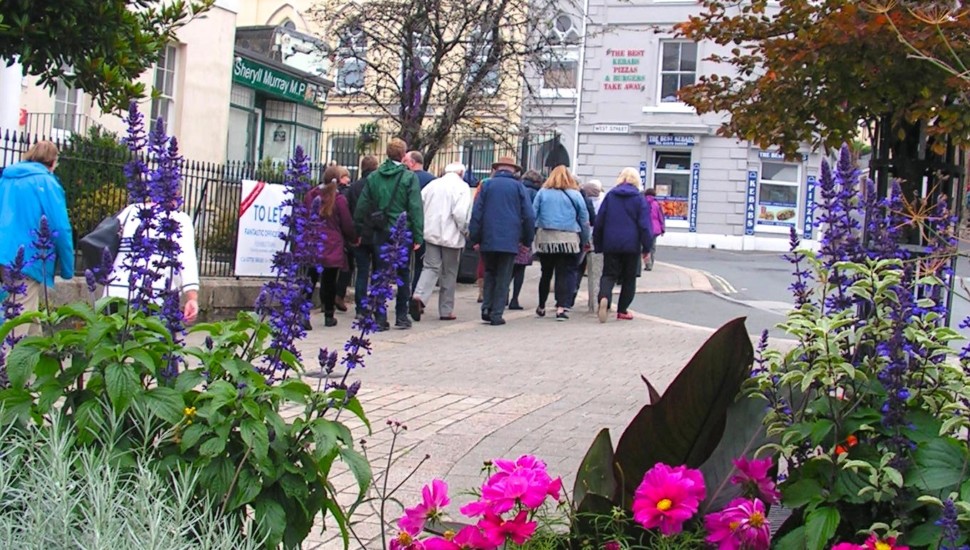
{"x":486,"y":315}
{"x":562,"y":316}
{"x":497,"y":322}
{"x":541,"y":311}
{"x":330,"y":321}
{"x":515,"y":305}
{"x":306,"y":325}
{"x":416,"y":308}
{"x":402,"y":323}
{"x":383,"y":327}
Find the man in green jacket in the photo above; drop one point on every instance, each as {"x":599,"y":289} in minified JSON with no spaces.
{"x":390,"y":190}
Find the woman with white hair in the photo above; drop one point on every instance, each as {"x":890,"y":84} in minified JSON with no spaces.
{"x":622,"y":233}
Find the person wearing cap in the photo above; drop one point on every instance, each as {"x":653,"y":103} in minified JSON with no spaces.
{"x":502,"y":218}
{"x":447,"y":205}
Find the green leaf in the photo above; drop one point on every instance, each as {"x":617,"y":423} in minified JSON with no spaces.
{"x":248,"y":487}
{"x":595,"y":473}
{"x":191,"y":436}
{"x":801,"y":493}
{"x":294,"y":486}
{"x":213,"y":446}
{"x":254,"y":434}
{"x":188,"y":380}
{"x":338,"y":515}
{"x":820,"y":526}
{"x":687,"y":424}
{"x":326,"y":433}
{"x":270,"y":519}
{"x":122,"y":384}
{"x":359,"y":467}
{"x":941,"y":465}
{"x":295,"y":390}
{"x":795,"y":540}
{"x":80,"y":310}
{"x":922,"y":536}
{"x":20,"y":364}
{"x":15,"y":403}
{"x":165,"y":403}
{"x":355,"y":407}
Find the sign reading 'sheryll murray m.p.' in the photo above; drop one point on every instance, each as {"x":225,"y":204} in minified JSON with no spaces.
{"x":261,"y":214}
{"x":267,"y":79}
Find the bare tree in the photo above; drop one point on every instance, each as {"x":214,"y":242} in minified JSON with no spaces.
{"x":438,"y":67}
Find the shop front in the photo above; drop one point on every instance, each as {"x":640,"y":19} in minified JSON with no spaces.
{"x":273,"y":109}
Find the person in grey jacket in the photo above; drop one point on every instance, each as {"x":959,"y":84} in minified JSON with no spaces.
{"x":563,"y":231}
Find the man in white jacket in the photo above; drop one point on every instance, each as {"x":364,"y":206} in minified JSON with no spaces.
{"x":447,"y":205}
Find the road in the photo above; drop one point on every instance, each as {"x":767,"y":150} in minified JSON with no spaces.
{"x":752,"y":284}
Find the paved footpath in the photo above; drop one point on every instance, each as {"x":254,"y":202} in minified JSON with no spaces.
{"x":469,"y":392}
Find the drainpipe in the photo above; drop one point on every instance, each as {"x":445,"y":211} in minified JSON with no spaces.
{"x":579,"y":94}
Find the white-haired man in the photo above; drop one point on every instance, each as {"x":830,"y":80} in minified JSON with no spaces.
{"x":447,"y":208}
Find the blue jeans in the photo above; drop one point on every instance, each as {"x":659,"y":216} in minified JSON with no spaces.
{"x":403,"y":298}
{"x":498,"y":274}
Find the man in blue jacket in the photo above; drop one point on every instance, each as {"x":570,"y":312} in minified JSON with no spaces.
{"x":502,"y":217}
{"x":29,"y":190}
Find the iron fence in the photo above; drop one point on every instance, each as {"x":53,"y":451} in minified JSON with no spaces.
{"x":91,"y":170}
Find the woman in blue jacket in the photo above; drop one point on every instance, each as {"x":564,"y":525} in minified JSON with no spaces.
{"x":562,"y":232}
{"x":622,"y":233}
{"x":29,"y":190}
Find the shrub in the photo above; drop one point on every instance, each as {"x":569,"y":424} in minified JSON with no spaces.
{"x":60,"y":493}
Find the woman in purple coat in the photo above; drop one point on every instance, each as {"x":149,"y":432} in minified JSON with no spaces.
{"x":336,"y":227}
{"x":658,"y":223}
{"x":622,"y":233}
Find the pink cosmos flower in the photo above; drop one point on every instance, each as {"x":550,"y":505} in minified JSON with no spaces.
{"x":875,"y":543}
{"x":405,"y":541}
{"x":434,"y":498}
{"x":753,"y":477}
{"x":742,"y":525}
{"x":524,"y":482}
{"x":847,"y":546}
{"x":498,"y":531}
{"x":469,"y":538}
{"x":668,"y":497}
{"x":611,"y":545}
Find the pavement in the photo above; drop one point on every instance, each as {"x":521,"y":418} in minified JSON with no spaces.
{"x":469,"y":392}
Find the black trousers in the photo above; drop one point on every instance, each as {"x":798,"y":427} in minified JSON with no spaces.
{"x":619,"y":268}
{"x":328,"y":288}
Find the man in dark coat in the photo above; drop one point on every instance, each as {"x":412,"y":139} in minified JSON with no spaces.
{"x":392,"y":189}
{"x":622,"y":233}
{"x":502,"y":217}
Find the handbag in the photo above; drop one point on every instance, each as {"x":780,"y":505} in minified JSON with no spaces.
{"x":377,"y":219}
{"x":107,"y":235}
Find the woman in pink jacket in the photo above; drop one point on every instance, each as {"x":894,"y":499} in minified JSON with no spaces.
{"x":657,"y":220}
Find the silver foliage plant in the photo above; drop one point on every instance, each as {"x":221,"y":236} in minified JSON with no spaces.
{"x":57,"y":493}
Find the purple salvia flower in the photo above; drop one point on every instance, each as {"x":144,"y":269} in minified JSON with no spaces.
{"x":135,"y":170}
{"x":949,"y":522}
{"x":284,"y":300}
{"x":800,"y":286}
{"x":14,"y":285}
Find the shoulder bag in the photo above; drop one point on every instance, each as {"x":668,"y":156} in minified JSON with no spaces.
{"x":107,"y":235}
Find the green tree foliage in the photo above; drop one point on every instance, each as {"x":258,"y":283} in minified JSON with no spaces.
{"x":810,"y":71}
{"x":100,"y":46}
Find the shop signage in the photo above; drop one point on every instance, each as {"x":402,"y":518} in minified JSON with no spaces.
{"x":809,"y":207}
{"x":261,"y":214}
{"x":749,"y":204}
{"x":624,"y":71}
{"x":272,"y":81}
{"x":775,"y":155}
{"x":677,"y":140}
{"x":695,"y":182}
{"x":611,"y":128}
{"x":643,"y":173}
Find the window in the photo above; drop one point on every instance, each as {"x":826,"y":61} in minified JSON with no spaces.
{"x":678,"y":66}
{"x":478,"y":155}
{"x":66,"y":102}
{"x":778,"y":194}
{"x":344,"y":151}
{"x":479,"y":50}
{"x":288,"y":125}
{"x":415,"y":71}
{"x":560,"y":69}
{"x":244,"y":120}
{"x":671,"y":179}
{"x":163,"y":105}
{"x":351,"y":60}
